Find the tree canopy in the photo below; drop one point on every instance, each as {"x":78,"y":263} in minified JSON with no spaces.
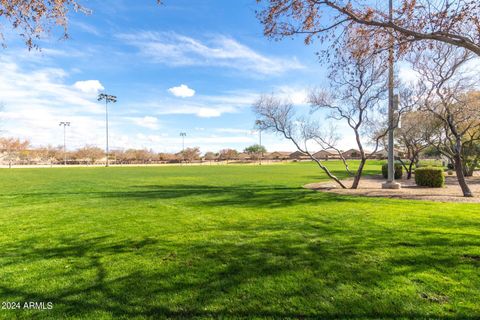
{"x":33,"y":18}
{"x":456,"y":22}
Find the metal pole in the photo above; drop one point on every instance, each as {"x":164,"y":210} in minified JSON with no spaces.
{"x":183,"y":135}
{"x":108,"y":98}
{"x":64,"y":146}
{"x":106,"y":120}
{"x":65,"y":125}
{"x":390,"y":184}
{"x":261,"y":151}
{"x":391,"y":169}
{"x":259,"y":124}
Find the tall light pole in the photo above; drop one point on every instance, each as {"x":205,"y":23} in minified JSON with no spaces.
{"x":108,"y":99}
{"x":183,"y":135}
{"x":391,"y":184}
{"x":259,"y":124}
{"x":65,"y":125}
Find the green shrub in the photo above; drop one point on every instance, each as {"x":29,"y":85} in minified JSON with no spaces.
{"x":429,"y":163}
{"x":398,"y":170}
{"x":429,"y":177}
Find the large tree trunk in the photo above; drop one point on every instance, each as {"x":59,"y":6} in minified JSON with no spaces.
{"x":461,"y":177}
{"x":358,"y":174}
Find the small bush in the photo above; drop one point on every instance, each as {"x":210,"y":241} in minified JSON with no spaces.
{"x":398,"y":170}
{"x":429,"y":163}
{"x":429,"y":177}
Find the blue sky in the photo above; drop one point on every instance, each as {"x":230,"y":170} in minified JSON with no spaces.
{"x":186,"y":66}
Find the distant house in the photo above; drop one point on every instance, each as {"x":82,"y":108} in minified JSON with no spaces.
{"x":210,"y":156}
{"x":326,"y":154}
{"x":298,"y":155}
{"x":243,"y":157}
{"x":351,"y":154}
{"x":277,"y":155}
{"x":383,"y":154}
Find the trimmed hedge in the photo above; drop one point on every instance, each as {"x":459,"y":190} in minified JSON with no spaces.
{"x":429,"y":163}
{"x":398,"y":170}
{"x":429,"y":177}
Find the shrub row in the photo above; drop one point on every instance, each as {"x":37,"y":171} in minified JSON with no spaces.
{"x":398,"y":170}
{"x":429,"y":177}
{"x":429,"y":163}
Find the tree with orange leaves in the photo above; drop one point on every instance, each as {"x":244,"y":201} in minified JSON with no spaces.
{"x":455,"y":22}
{"x":34,"y":18}
{"x":12,"y":149}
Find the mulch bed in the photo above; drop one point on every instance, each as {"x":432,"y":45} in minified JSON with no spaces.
{"x":371,"y":186}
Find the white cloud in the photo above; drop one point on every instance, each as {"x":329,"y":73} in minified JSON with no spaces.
{"x":296,"y":95}
{"x":409,"y":76}
{"x":36,"y":100}
{"x":85,"y":27}
{"x":204,"y":106}
{"x":199,"y":109}
{"x":173,"y":49}
{"x":208,"y":113}
{"x":234,"y":131}
{"x":182,"y":91}
{"x":89,"y":86}
{"x":146,"y":122}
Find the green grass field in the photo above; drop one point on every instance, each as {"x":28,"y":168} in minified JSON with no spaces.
{"x":229,"y":241}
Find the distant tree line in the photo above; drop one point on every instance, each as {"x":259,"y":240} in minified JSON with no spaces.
{"x":18,"y":151}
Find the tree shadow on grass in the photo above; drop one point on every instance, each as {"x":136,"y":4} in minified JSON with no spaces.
{"x":342,"y":174}
{"x":245,"y":195}
{"x":328,"y":274}
{"x":253,"y":196}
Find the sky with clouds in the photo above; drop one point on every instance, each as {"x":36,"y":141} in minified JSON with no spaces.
{"x":186,"y":66}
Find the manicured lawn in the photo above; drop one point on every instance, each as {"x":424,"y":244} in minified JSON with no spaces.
{"x":229,"y":241}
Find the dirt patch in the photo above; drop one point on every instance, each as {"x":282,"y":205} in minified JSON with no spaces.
{"x":371,"y":186}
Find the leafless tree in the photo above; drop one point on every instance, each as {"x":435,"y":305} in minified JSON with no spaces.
{"x":13,"y":148}
{"x":471,"y":142}
{"x":228,"y":154}
{"x":210,"y":156}
{"x":190,"y":154}
{"x":357,"y":91}
{"x":49,"y":154}
{"x":413,"y":135}
{"x":444,"y":84}
{"x":279,"y":116}
{"x":167,"y":157}
{"x":89,"y":154}
{"x":139,"y":156}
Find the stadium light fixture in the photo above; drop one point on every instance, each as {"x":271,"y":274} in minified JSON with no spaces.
{"x":108,"y":99}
